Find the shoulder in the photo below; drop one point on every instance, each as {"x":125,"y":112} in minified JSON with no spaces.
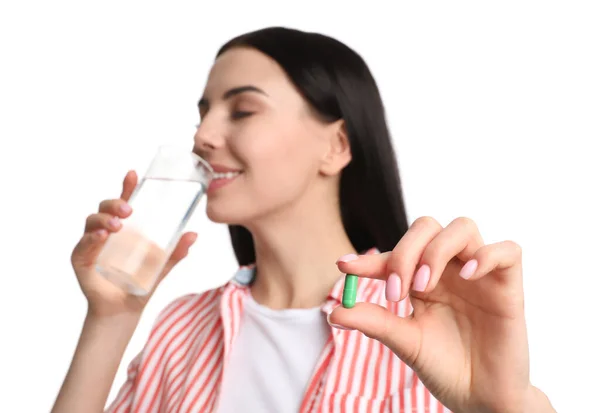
{"x":189,"y":306}
{"x":203,"y":305}
{"x":183,"y":324}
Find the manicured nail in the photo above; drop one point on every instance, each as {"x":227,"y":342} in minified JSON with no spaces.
{"x":347,"y":258}
{"x":393,"y":287}
{"x":468,"y":269}
{"x":101,"y":233}
{"x":422,"y":278}
{"x":114,"y":222}
{"x":125,"y":208}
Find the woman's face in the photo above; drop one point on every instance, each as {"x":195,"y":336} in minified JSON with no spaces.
{"x":257,"y":130}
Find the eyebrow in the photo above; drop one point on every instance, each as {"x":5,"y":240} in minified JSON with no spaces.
{"x":234,"y":91}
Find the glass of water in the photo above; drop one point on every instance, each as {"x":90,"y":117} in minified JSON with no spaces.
{"x":163,"y":202}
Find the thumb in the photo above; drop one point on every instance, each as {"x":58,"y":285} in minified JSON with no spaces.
{"x":180,"y":252}
{"x":401,"y":335}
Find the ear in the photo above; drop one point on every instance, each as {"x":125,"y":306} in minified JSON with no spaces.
{"x":338,"y":153}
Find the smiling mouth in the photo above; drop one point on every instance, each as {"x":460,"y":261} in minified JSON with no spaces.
{"x":221,"y":179}
{"x":226,"y":175}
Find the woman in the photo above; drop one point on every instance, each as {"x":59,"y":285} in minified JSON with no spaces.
{"x":313,"y":194}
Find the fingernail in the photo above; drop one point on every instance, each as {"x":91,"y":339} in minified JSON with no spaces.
{"x":347,"y":258}
{"x":101,"y":233}
{"x":422,"y":278}
{"x":468,"y":269}
{"x":114,"y":222}
{"x":337,"y":325}
{"x":392,"y":287}
{"x":125,"y":208}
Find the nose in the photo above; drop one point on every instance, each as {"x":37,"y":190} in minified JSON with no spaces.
{"x":207,"y":138}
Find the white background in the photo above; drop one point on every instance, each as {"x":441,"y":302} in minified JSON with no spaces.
{"x":494,"y":108}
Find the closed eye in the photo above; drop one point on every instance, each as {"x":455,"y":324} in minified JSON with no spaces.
{"x":240,"y":114}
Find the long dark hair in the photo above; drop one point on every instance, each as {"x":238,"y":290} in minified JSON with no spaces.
{"x":336,"y":81}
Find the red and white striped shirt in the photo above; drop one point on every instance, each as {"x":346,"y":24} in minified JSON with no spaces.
{"x":179,"y":368}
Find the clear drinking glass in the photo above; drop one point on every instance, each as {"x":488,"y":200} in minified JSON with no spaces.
{"x":162,"y":204}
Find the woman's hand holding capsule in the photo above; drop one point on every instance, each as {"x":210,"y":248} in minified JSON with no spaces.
{"x":466,"y":338}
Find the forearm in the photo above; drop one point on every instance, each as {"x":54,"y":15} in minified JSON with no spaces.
{"x":96,"y":360}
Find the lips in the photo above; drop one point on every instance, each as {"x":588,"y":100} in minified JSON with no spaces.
{"x":220,"y":169}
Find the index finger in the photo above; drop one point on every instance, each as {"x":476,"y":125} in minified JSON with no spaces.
{"x":129,"y":184}
{"x":368,"y":266}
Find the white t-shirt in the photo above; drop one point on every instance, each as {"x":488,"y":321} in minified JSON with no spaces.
{"x":272,"y":359}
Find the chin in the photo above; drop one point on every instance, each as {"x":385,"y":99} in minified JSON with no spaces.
{"x":224,"y":215}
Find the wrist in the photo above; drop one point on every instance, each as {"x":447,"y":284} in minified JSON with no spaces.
{"x":123,"y":321}
{"x":101,"y":331}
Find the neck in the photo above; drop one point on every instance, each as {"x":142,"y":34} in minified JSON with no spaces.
{"x":296,"y":252}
